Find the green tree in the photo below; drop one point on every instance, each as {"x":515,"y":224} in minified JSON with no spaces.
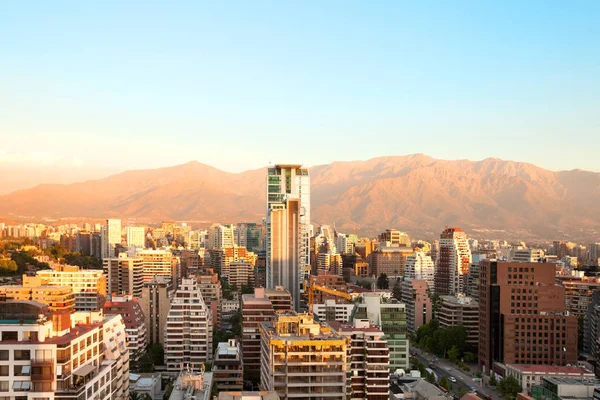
{"x":444,"y":382}
{"x":453,"y":354}
{"x":133,"y":395}
{"x":8,"y":267}
{"x":383,"y":282}
{"x":493,"y":380}
{"x":462,"y":391}
{"x":397,"y":290}
{"x":509,"y":387}
{"x":470,"y":357}
{"x":157,"y":353}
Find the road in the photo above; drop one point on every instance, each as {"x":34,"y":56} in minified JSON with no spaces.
{"x":446,"y":368}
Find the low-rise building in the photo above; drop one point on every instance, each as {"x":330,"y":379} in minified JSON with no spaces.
{"x":264,"y":395}
{"x":192,"y":384}
{"x":460,"y":311}
{"x":566,"y":388}
{"x":331,"y":310}
{"x":531,"y":375}
{"x":301,"y":358}
{"x":228,"y":366}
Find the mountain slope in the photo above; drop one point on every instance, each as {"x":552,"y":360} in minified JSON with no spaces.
{"x":416,"y":193}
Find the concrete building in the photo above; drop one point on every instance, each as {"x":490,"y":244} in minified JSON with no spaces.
{"x":257,"y":308}
{"x":472,"y":289}
{"x":288,"y":228}
{"x":522,"y":316}
{"x":453,"y":263}
{"x":220,"y":236}
{"x":532,"y":375}
{"x":578,"y":294}
{"x":527,"y":255}
{"x":192,"y":383}
{"x":390,"y":317}
{"x":301,"y":358}
{"x":212,"y":293}
{"x":155,"y":303}
{"x":263,"y":395}
{"x":566,"y":388}
{"x":390,"y":261}
{"x":88,"y":285}
{"x":420,"y":267}
{"x":460,"y":310}
{"x":393,"y":237}
{"x":329,"y":264}
{"x":189,"y":328}
{"x":135,"y":325}
{"x":228,"y":366}
{"x":111,"y":237}
{"x":124,"y":275}
{"x":135,"y":236}
{"x":418,"y":303}
{"x":39,"y":361}
{"x":239,"y":274}
{"x":331,"y":310}
{"x":159,"y":262}
{"x":368,"y":360}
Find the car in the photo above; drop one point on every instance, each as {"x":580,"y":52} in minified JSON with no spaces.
{"x":452,"y":379}
{"x":473,"y":389}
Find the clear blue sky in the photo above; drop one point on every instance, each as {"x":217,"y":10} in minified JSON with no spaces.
{"x":239,"y":84}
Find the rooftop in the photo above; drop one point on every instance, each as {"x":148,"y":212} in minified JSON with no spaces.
{"x":350,"y":327}
{"x":568,"y":380}
{"x":548,"y":369}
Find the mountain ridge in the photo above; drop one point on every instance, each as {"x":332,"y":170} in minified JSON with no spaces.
{"x":412,"y":192}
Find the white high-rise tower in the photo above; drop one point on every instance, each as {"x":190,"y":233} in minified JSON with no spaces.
{"x":288,"y":228}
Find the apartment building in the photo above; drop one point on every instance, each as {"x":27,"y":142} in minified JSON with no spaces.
{"x":212,"y":293}
{"x":368,"y":359}
{"x":155,"y":304}
{"x":331,"y":310}
{"x":578,"y":294}
{"x":460,"y":310}
{"x":238,"y":274}
{"x":453,"y":262}
{"x":88,"y":285}
{"x":188,"y":330}
{"x":257,"y":308}
{"x":420,"y":267}
{"x":390,"y":261}
{"x":419,"y":310}
{"x":124,"y":275}
{"x":84,"y":361}
{"x":228,"y":366}
{"x":301,"y":358}
{"x":129,"y":308}
{"x":158,"y":262}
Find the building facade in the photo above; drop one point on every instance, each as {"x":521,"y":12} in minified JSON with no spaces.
{"x":453,"y":262}
{"x":124,"y":275}
{"x":155,"y":303}
{"x":460,"y":311}
{"x":88,"y":285}
{"x":420,"y":267}
{"x":130,"y":310}
{"x":228,"y":366}
{"x":418,"y":303}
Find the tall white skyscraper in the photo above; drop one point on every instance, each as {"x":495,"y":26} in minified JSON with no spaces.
{"x":288,"y":228}
{"x":420,"y":267}
{"x":136,"y":236}
{"x":110,"y":236}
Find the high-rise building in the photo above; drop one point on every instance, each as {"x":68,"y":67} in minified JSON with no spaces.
{"x":124,"y":275}
{"x":526,"y":255}
{"x":158,"y":262}
{"x":239,"y":274}
{"x":155,"y":304}
{"x":260,"y":270}
{"x":331,"y":310}
{"x":390,"y":261}
{"x":593,"y":253}
{"x":188,"y":331}
{"x":472,"y":289}
{"x":390,"y":317}
{"x":128,"y":307}
{"x":256,"y":308}
{"x":522,"y":316}
{"x":111,"y":237}
{"x":460,"y":311}
{"x":418,"y":303}
{"x":228,"y":366}
{"x":288,"y":228}
{"x":212,"y":293}
{"x":37,"y":359}
{"x":578,"y":294}
{"x":420,"y":267}
{"x":301,"y":358}
{"x":368,"y":360}
{"x":453,"y":262}
{"x":329,"y":263}
{"x":591,"y":330}
{"x":221,"y":236}
{"x":393,"y":237}
{"x":136,"y":236}
{"x":88,"y":285}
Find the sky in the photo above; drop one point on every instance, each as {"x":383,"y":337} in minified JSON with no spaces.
{"x":94,"y":87}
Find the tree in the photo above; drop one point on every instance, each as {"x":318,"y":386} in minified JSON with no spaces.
{"x":493,"y":380}
{"x":453,"y":354}
{"x":462,"y":391}
{"x":444,"y":382}
{"x":383,"y":282}
{"x":509,"y":387}
{"x":157,"y":353}
{"x":8,"y":267}
{"x":134,"y":395}
{"x":397,"y":290}
{"x":470,"y":357}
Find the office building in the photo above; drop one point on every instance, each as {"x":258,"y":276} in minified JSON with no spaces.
{"x":453,"y":263}
{"x":522,"y":316}
{"x":111,"y":237}
{"x":460,"y":310}
{"x":135,"y":236}
{"x":532,"y":375}
{"x":88,"y":285}
{"x":368,"y":360}
{"x":189,"y":328}
{"x":301,"y":358}
{"x":390,"y":261}
{"x":247,"y":234}
{"x":288,"y":229}
{"x":42,"y":362}
{"x":124,"y":275}
{"x":155,"y":303}
{"x":390,"y":317}
{"x":256,"y":308}
{"x":135,"y":325}
{"x":420,"y":267}
{"x":228,"y":366}
{"x":527,"y":255}
{"x":418,"y":303}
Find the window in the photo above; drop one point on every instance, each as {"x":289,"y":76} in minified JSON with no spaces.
{"x":22,"y":355}
{"x":4,"y":355}
{"x":3,"y":370}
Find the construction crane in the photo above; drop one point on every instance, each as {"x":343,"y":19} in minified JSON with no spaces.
{"x":311,"y":294}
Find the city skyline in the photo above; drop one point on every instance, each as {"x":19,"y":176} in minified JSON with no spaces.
{"x":170,"y":84}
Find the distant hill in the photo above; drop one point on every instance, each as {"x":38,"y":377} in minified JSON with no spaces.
{"x":416,"y":193}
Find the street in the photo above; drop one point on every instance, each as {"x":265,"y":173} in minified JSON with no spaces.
{"x":446,"y":368}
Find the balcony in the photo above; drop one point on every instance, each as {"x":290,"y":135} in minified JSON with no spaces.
{"x":41,"y":363}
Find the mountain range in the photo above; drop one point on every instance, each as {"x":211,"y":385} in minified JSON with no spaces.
{"x":415,"y":193}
